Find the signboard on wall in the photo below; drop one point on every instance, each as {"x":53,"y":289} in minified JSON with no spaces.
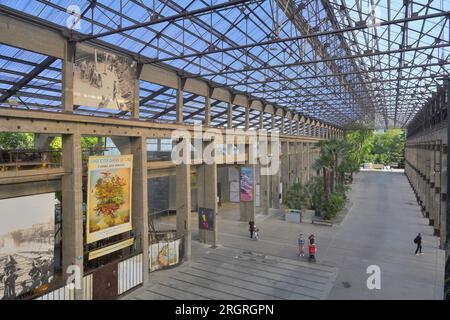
{"x":205,"y":219}
{"x":103,"y":79}
{"x":27,"y":231}
{"x":109,"y":196}
{"x":246,"y":184}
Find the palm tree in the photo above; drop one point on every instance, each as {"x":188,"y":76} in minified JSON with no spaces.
{"x":333,"y":159}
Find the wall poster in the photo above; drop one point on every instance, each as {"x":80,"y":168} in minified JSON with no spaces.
{"x":103,"y":79}
{"x":246,"y":184}
{"x":27,"y":244}
{"x":109,"y":196}
{"x":163,"y":254}
{"x":205,"y":219}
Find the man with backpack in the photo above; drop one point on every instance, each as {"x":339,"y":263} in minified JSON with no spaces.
{"x":418,"y":242}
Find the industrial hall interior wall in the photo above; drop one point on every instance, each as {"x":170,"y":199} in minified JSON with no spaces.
{"x":298,"y":136}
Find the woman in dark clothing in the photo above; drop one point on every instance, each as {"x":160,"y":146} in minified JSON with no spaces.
{"x":251,"y":228}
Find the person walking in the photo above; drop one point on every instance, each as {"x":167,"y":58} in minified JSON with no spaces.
{"x":251,"y":228}
{"x":418,"y":242}
{"x":301,"y":245}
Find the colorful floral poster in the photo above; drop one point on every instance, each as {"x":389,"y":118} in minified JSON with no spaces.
{"x":246,"y":184}
{"x":109,"y":196}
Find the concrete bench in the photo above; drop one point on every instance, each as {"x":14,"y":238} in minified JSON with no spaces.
{"x":322,"y":222}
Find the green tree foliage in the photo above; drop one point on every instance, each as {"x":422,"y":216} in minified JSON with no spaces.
{"x":297,"y":197}
{"x":86,"y":143}
{"x":361,"y":142}
{"x":382,"y":147}
{"x":16,"y":140}
{"x":389,"y":147}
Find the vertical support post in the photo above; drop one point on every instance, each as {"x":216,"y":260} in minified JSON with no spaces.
{"x":180,"y":100}
{"x":207,"y":196}
{"x":285,"y":169}
{"x":230,"y":115}
{"x":275,"y":180}
{"x":183,"y":200}
{"x":447,"y":242}
{"x":247,"y":116}
{"x":248,"y":208}
{"x":265,"y":193}
{"x":72,"y":206}
{"x":137,"y":101}
{"x":67,"y":76}
{"x":272,"y":125}
{"x":140,"y":197}
{"x":261,"y":120}
{"x":208,"y":108}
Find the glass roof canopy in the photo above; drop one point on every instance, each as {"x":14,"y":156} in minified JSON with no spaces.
{"x":351,"y":63}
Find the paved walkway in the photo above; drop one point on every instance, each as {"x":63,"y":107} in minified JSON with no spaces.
{"x":378,"y":230}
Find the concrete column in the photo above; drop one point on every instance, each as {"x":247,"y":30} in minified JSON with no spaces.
{"x":309,"y":157}
{"x":272,"y":126}
{"x":292,"y":163}
{"x":285,"y":166}
{"x":443,"y":199}
{"x":208,"y":109}
{"x":261,"y":120}
{"x":298,"y":128}
{"x":67,"y":76}
{"x":282,"y":125}
{"x":140,"y":197}
{"x":72,"y":205}
{"x":298,"y":162}
{"x":183,"y":204}
{"x":427,"y":182}
{"x":247,"y":117}
{"x":135,"y":112}
{"x":264,"y":193}
{"x":248,"y":209}
{"x":230,"y":115}
{"x":207,"y":198}
{"x":275,"y":183}
{"x":180,"y":101}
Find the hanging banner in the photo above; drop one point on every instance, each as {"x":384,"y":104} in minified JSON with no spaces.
{"x":27,"y":241}
{"x":205,"y":219}
{"x":246,"y":184}
{"x":103,"y":79}
{"x":109,"y":196}
{"x":163,"y":254}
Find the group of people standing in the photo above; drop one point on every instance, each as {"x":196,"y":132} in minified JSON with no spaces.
{"x":311,"y":246}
